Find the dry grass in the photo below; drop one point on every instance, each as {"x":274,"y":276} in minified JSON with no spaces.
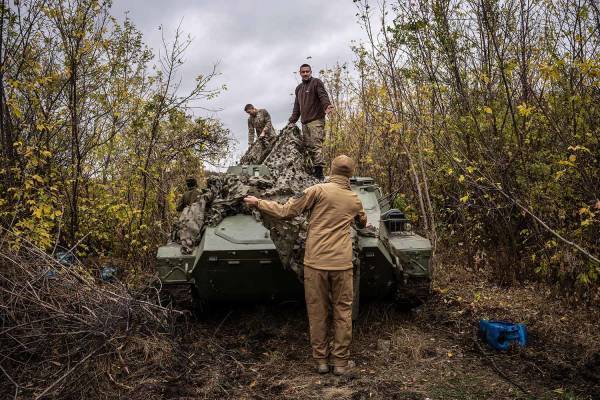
{"x":66,"y":335}
{"x":73,"y":337}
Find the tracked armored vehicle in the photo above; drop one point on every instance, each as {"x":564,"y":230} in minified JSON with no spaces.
{"x":237,"y":260}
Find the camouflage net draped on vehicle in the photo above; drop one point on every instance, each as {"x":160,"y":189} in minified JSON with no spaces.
{"x":290,"y":174}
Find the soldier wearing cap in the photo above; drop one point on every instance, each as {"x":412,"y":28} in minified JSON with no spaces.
{"x":328,"y":267}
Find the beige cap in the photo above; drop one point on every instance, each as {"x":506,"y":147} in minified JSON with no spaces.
{"x":342,"y":165}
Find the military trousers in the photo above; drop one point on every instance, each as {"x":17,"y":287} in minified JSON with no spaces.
{"x":325,"y":291}
{"x":313,"y":135}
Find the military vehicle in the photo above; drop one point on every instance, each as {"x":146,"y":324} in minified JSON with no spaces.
{"x":236,"y":260}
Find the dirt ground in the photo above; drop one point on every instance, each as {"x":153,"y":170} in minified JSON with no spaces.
{"x":262,"y":351}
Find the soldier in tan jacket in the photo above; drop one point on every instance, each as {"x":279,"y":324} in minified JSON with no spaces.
{"x":328,"y":266}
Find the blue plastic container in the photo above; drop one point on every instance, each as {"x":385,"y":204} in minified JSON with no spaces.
{"x":501,"y":335}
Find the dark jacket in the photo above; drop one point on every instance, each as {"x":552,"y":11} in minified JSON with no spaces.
{"x":311,"y":101}
{"x":188,"y":198}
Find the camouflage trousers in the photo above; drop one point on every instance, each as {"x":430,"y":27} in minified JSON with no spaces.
{"x":325,"y":290}
{"x":313,"y":135}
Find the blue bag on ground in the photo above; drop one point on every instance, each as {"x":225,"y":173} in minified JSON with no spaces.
{"x":501,"y":335}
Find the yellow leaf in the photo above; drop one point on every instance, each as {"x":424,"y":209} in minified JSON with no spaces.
{"x":524,"y":110}
{"x":584,"y":210}
{"x":395,"y":127}
{"x":579,"y":148}
{"x":38,"y":178}
{"x":572,"y":158}
{"x":461,"y":178}
{"x":464,"y":199}
{"x":567,"y":163}
{"x":487,"y":110}
{"x":586,"y":222}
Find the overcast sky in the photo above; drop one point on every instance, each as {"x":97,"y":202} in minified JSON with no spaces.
{"x":258,"y":45}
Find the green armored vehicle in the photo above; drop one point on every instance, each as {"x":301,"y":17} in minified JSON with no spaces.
{"x":236,"y":260}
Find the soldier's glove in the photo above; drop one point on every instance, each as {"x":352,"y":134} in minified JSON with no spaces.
{"x":290,"y":125}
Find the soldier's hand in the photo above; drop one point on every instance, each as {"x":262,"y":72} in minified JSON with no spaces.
{"x":290,"y":125}
{"x":329,"y":109}
{"x":251,"y":201}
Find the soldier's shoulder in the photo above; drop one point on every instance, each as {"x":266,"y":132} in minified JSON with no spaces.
{"x":312,"y":187}
{"x":316,"y":188}
{"x":326,"y":185}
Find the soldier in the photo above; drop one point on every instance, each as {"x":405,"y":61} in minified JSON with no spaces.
{"x":328,"y":265}
{"x":259,"y":120}
{"x":191,"y":195}
{"x":311,"y":105}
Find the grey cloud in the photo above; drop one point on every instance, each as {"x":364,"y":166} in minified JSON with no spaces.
{"x":259,"y":46}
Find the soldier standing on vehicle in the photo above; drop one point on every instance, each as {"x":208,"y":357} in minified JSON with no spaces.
{"x":328,"y":265}
{"x":192,"y":194}
{"x":259,"y":121}
{"x":311,"y":105}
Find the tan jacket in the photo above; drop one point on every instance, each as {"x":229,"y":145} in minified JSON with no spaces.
{"x":333,"y":206}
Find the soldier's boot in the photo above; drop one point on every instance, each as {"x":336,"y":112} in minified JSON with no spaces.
{"x":318,"y":172}
{"x":322,"y":367}
{"x":344,"y":371}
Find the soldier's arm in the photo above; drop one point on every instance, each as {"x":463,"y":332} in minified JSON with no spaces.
{"x":180,"y":204}
{"x":296,"y":111}
{"x":293,"y":207}
{"x":323,"y":96}
{"x":250,"y":132}
{"x":361,"y":218}
{"x":268,"y":125}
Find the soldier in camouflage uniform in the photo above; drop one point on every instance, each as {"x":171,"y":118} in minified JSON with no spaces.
{"x":259,"y":121}
{"x":191,"y":195}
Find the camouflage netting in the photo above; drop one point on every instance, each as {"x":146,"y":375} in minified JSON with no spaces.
{"x":290,"y":175}
{"x":259,"y":150}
